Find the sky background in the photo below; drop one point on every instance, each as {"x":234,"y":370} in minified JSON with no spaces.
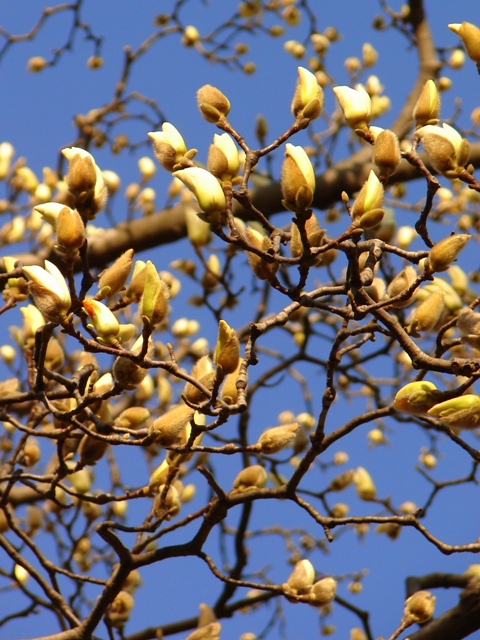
{"x":37,"y":112}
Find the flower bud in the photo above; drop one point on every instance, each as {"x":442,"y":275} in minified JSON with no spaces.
{"x":400,"y":283}
{"x":132,"y":418}
{"x":447,"y":150}
{"x":297,"y":179}
{"x":147,"y":168}
{"x":252,"y":477}
{"x":228,"y":392}
{"x":277,"y":438}
{"x":261,"y":268}
{"x":202,"y":371}
{"x":210,"y":631}
{"x":167,"y":429}
{"x":70,"y":231}
{"x":154,"y":302}
{"x":420,"y":607}
{"x":356,"y":106}
{"x":205,"y":187}
{"x":113,"y":279}
{"x":445,"y":252}
{"x":386,"y":153}
{"x":468,"y":322}
{"x":364,"y":484}
{"x":470,"y":35}
{"x":427,"y":314}
{"x":227,"y":349}
{"x":416,"y":398}
{"x":85,"y":181}
{"x":301,"y":578}
{"x":222,"y":160}
{"x":168,"y":146}
{"x":343,"y":480}
{"x":322,"y":592}
{"x":119,"y":611}
{"x":213,"y":104}
{"x":367,"y":209}
{"x":198,"y":231}
{"x":36,"y":64}
{"x":458,"y":413}
{"x":102,"y":321}
{"x":91,"y":449}
{"x":308,"y":97}
{"x":427,"y":107}
{"x":50,"y":291}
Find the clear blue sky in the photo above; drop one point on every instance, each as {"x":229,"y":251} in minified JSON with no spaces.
{"x":37,"y":113}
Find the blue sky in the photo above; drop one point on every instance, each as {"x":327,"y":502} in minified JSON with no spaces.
{"x":37,"y":112}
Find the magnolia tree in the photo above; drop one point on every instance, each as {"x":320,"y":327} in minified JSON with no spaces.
{"x":130,"y":440}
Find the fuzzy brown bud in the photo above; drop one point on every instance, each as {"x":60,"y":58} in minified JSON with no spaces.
{"x":113,"y":279}
{"x":213,"y":104}
{"x":167,"y":429}
{"x":420,"y":607}
{"x":427,"y":314}
{"x":277,"y":438}
{"x":386,"y":153}
{"x":251,"y":477}
{"x":446,"y":251}
{"x":427,"y":107}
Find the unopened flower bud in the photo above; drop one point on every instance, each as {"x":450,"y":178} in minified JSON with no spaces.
{"x":458,"y":413}
{"x":427,"y":107}
{"x":102,"y":321}
{"x":119,"y":611}
{"x":416,"y":398}
{"x":132,"y":418}
{"x":277,"y":438}
{"x":167,"y":429}
{"x":169,"y":503}
{"x":401,"y":283}
{"x":36,"y":64}
{"x":308,"y":97}
{"x":204,"y":372}
{"x":427,"y":314}
{"x":364,"y":484}
{"x":223,"y":161}
{"x":205,"y":187}
{"x":213,"y":104}
{"x":447,"y":150}
{"x":228,"y":392}
{"x":445,"y":252}
{"x":420,"y":607}
{"x":91,"y":449}
{"x":356,"y":106}
{"x":298,"y":179}
{"x":386,"y":153}
{"x":112,"y":280}
{"x":343,"y":480}
{"x":261,"y":268}
{"x":470,"y":35}
{"x":301,"y":578}
{"x":168,"y":146}
{"x":227,"y":350}
{"x":322,"y":592}
{"x":252,"y":477}
{"x":154,"y":303}
{"x":50,"y":291}
{"x":70,"y":231}
{"x":367,"y":209}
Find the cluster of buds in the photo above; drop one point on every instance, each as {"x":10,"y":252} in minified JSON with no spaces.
{"x":302,"y":587}
{"x":423,"y":398}
{"x":470,"y":35}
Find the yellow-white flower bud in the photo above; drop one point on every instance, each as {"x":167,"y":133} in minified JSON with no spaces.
{"x":168,"y":146}
{"x":470,"y":35}
{"x":355,"y":104}
{"x":301,"y":578}
{"x":119,"y":610}
{"x":223,"y":161}
{"x":147,"y":168}
{"x":364,"y":484}
{"x":416,"y":398}
{"x":85,"y":181}
{"x":419,"y":608}
{"x":427,"y":107}
{"x":460,"y":413}
{"x":277,"y":438}
{"x":297,"y":179}
{"x":322,"y":592}
{"x":261,"y":268}
{"x":308,"y":97}
{"x":154,"y":303}
{"x":205,"y":187}
{"x":50,"y":291}
{"x":252,"y":477}
{"x":103,"y":321}
{"x":227,"y":349}
{"x":198,"y":231}
{"x":447,"y":150}
{"x":367,"y":209}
